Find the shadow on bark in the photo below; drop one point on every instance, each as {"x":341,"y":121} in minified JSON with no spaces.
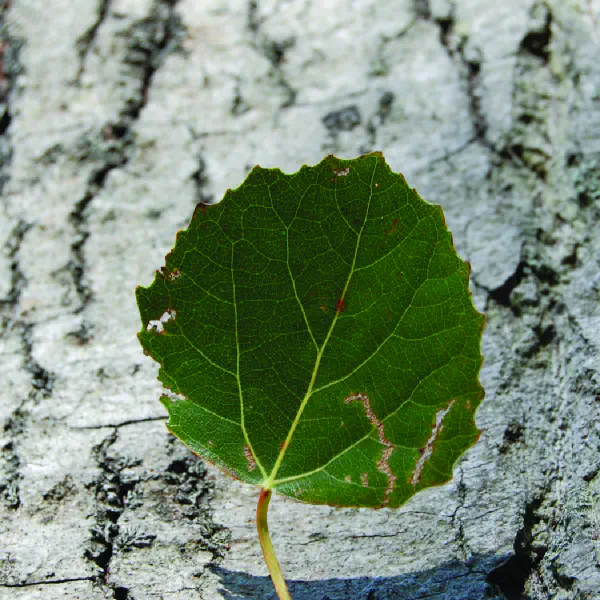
{"x":452,"y":581}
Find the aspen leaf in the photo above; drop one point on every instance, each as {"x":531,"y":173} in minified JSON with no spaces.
{"x":318,"y":335}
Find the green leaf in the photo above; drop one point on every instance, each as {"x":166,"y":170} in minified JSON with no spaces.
{"x":319,"y":333}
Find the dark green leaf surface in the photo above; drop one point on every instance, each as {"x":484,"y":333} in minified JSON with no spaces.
{"x":319,"y":334}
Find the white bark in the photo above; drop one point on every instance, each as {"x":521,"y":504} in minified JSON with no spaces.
{"x":119,"y":115}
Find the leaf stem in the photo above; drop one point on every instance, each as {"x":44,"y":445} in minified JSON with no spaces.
{"x":267,"y":546}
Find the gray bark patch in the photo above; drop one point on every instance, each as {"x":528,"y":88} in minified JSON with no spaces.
{"x":116,"y":119}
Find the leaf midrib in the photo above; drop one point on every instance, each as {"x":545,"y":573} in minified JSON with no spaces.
{"x":268,"y":482}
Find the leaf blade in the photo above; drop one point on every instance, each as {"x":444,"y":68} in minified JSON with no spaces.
{"x":354,"y":331}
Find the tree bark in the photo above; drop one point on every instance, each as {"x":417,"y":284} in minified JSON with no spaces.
{"x":118,"y":116}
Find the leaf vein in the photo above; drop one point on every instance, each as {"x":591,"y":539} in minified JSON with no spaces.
{"x":239,"y":381}
{"x":208,"y":360}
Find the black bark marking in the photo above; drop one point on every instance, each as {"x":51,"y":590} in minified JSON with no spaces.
{"x":17,"y":277}
{"x":512,"y":576}
{"x":42,"y":380}
{"x":422,"y":9}
{"x":152,"y":39}
{"x":10,"y":461}
{"x":502,"y":293}
{"x":78,"y":219}
{"x":344,"y":119}
{"x":537,"y":41}
{"x":513,"y":434}
{"x":10,"y":68}
{"x":274,"y":51}
{"x":46,"y":582}
{"x":200,"y":180}
{"x":380,"y":117}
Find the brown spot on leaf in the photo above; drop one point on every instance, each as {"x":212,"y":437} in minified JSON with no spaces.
{"x":341,"y":305}
{"x":383,"y":465}
{"x":364,"y":479}
{"x":250,"y":458}
{"x":201,"y":208}
{"x":323,"y":308}
{"x":392,"y":227}
{"x":441,"y":214}
{"x":348,"y":479}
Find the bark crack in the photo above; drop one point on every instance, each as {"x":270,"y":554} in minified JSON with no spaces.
{"x":512,"y":576}
{"x":10,"y":461}
{"x":42,"y":380}
{"x":457,"y":522}
{"x":78,"y":219}
{"x":469,"y":67}
{"x":378,"y":119}
{"x":200,"y":180}
{"x":46,"y":582}
{"x":121,"y":424}
{"x":152,"y":39}
{"x":111,"y":490}
{"x":17,"y":277}
{"x":10,"y":68}
{"x":86,"y":40}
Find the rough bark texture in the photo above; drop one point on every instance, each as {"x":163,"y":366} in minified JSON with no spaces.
{"x":119,"y":115}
